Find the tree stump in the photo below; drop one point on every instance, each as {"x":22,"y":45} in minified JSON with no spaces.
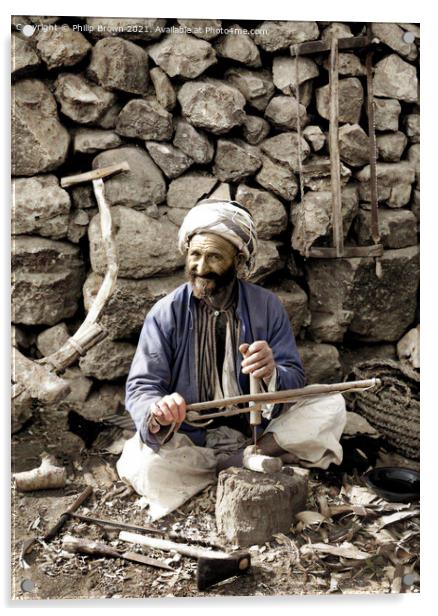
{"x":251,"y":507}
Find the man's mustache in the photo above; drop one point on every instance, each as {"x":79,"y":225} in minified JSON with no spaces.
{"x":208,"y":276}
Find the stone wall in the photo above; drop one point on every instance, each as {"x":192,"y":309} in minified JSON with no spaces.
{"x":198,"y":114}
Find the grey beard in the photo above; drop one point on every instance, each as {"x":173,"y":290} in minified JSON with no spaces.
{"x":217,"y":294}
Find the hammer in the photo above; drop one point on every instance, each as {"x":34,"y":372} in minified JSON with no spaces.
{"x":213,"y":565}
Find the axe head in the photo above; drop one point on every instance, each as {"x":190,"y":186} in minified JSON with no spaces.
{"x":213,"y":570}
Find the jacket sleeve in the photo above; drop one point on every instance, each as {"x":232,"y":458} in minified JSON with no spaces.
{"x":150,"y":376}
{"x":290,"y":371}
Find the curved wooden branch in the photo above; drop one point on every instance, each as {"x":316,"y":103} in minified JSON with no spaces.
{"x":40,"y":377}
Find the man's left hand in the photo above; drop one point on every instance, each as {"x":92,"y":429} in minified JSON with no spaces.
{"x":259,"y":359}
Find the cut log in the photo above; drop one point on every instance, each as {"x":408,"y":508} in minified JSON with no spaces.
{"x":46,"y":476}
{"x":252,"y":507}
{"x":254,"y":461}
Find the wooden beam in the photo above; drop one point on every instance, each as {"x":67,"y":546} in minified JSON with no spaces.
{"x":322,"y":252}
{"x":344,"y":44}
{"x":335,"y":161}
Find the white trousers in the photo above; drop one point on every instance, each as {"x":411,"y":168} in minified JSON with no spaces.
{"x":310,"y":429}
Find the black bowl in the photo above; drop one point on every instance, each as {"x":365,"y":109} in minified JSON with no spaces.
{"x":394,"y":483}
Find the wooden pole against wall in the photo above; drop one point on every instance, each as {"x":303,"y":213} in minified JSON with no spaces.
{"x":338,"y":231}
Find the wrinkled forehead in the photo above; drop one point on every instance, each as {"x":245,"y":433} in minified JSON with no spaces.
{"x":212,"y":242}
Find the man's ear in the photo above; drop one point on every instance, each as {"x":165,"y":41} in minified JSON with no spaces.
{"x":240,"y":264}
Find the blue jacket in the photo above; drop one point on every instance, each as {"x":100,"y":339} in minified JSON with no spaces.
{"x":164,"y":361}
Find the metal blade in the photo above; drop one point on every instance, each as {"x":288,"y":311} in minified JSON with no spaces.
{"x":144,"y":560}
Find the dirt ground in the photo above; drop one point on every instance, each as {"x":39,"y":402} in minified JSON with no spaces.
{"x":374,"y":544}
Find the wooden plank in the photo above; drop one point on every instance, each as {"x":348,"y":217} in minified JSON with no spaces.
{"x":311,"y":47}
{"x":322,"y":252}
{"x":375,"y":231}
{"x":335,"y":161}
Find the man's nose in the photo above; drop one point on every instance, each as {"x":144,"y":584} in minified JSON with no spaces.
{"x":201,"y":266}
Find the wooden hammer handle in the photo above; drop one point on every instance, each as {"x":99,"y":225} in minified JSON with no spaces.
{"x":52,"y":532}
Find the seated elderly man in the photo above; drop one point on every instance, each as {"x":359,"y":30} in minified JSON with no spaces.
{"x":200,"y":343}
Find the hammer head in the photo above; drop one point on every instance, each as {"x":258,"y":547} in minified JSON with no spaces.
{"x":213,"y":570}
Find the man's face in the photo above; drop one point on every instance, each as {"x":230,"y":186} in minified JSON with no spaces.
{"x":210,"y":264}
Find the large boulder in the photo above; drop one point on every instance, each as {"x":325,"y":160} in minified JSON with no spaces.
{"x":394,"y":183}
{"x":351,"y":99}
{"x":391,"y":146}
{"x":108,"y":359}
{"x":255,"y":129}
{"x":145,"y":119}
{"x":256,"y":86}
{"x":335,"y":29}
{"x":395,"y":78}
{"x":269,"y":214}
{"x":321,"y":362}
{"x":295,"y":302}
{"x":397,"y":228}
{"x":312,"y":218}
{"x":124,"y":314}
{"x":235,"y":160}
{"x":40,"y":142}
{"x":81,"y":100}
{"x":62,"y":47}
{"x":267,"y":261}
{"x":277,"y":179}
{"x":172,"y":161}
{"x":212,"y":104}
{"x":141,"y":186}
{"x":275,"y":35}
{"x":353,"y":145}
{"x":145,"y":246}
{"x":40,"y":206}
{"x":238,"y":46}
{"x":92,"y":140}
{"x":413,"y":156}
{"x":317,"y":174}
{"x":117,"y":64}
{"x":393,"y":36}
{"x":24,"y":59}
{"x":164,"y":91}
{"x":349,"y":65}
{"x":285,"y":112}
{"x":346,"y":295}
{"x":315,"y":136}
{"x":284,"y":72}
{"x":195,"y":143}
{"x":52,"y":339}
{"x":412,"y":126}
{"x":283,"y":149}
{"x":47,"y":277}
{"x":386,"y":113}
{"x":188,"y":189}
{"x":183,"y":55}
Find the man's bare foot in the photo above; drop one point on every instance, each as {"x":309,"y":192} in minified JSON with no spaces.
{"x":290,"y":458}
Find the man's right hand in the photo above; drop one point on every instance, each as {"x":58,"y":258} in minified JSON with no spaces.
{"x":167,"y":410}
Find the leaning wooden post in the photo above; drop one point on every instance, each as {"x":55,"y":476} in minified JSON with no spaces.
{"x":338,"y":230}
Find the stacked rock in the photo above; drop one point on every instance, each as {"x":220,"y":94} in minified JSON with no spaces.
{"x":204,"y":108}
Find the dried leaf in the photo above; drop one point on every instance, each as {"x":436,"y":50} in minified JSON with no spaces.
{"x":394,"y":517}
{"x":358,"y":495}
{"x":346,"y":550}
{"x":309,"y":518}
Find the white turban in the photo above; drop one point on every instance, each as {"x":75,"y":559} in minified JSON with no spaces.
{"x":228,"y":219}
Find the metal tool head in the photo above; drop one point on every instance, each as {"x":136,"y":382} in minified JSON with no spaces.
{"x":210,"y":571}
